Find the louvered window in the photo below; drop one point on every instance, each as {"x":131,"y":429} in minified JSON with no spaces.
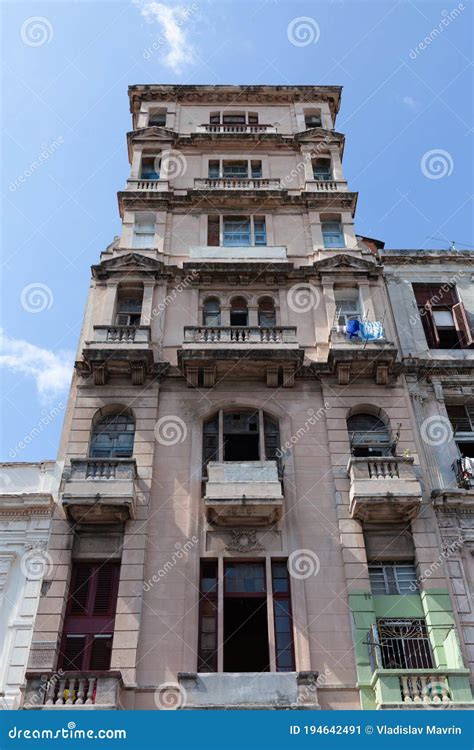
{"x":90,"y":616}
{"x":393,"y":578}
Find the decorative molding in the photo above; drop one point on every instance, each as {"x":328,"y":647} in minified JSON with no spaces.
{"x":244,"y":540}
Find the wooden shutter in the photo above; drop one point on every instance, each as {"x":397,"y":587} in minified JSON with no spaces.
{"x":213,"y":231}
{"x":429,"y":325}
{"x":462,"y":324}
{"x":105,"y":590}
{"x":80,"y":587}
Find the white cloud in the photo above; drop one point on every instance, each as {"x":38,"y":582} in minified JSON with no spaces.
{"x":172,"y":21}
{"x":52,"y":371}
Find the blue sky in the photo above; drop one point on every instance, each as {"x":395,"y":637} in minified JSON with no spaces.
{"x":406,"y":112}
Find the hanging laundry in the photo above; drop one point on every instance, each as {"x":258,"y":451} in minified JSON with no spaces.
{"x":372,"y":331}
{"x":352,"y":328}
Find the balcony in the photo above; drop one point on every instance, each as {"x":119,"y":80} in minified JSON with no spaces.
{"x":326,"y":186}
{"x":237,"y":183}
{"x":351,"y":358}
{"x":72,"y":690}
{"x":243,"y":493}
{"x":121,"y":351}
{"x":235,"y":129}
{"x":147,"y":185}
{"x":249,"y":690}
{"x":209,"y":352}
{"x":383,"y":489}
{"x":100,"y":490}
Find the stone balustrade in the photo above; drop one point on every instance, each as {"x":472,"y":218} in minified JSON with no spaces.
{"x":240,"y":335}
{"x":122,"y":335}
{"x":147,"y":185}
{"x":326,"y":186}
{"x":235,"y":128}
{"x":424,"y":688}
{"x":98,"y":490}
{"x":237,"y":183}
{"x":383,"y":488}
{"x":72,"y":690}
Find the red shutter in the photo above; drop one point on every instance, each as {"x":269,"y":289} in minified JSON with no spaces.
{"x":101,"y":652}
{"x":429,"y":326}
{"x":462,"y":324}
{"x":213,"y":231}
{"x":104,"y":599}
{"x":80,"y":586}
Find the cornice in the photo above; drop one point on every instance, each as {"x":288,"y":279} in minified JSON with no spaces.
{"x":389,"y":256}
{"x":230,"y":94}
{"x":28,"y":504}
{"x":129,"y":262}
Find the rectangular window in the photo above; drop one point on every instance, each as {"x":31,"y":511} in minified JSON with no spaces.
{"x":157,"y":118}
{"x":443,"y":316}
{"x":236,"y":231}
{"x":143,"y":233}
{"x":403,"y":644}
{"x":129,"y":311}
{"x":150,"y":169}
{"x":207,"y":647}
{"x":256,"y":169}
{"x":233,"y":119}
{"x":461,"y":417}
{"x":393,"y":578}
{"x":253,"y":118}
{"x":235,"y":169}
{"x":332,"y":234}
{"x":313,"y":121}
{"x":284,"y":643}
{"x":322,"y":169}
{"x":90,"y":617}
{"x":347,"y":305}
{"x":213,"y":172}
{"x":260,"y":232}
{"x":213,"y":223}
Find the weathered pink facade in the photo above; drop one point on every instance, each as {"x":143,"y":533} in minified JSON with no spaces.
{"x":280,"y":237}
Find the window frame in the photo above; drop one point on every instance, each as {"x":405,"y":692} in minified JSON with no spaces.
{"x":394,"y":581}
{"x":115,"y":449}
{"x":333,"y":238}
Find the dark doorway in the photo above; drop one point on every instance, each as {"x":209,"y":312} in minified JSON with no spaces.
{"x":245,"y":635}
{"x":241,"y":448}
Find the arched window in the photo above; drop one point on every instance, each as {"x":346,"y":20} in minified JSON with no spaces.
{"x":211,"y":313}
{"x":113,"y":436}
{"x":237,"y":436}
{"x":369,"y":435}
{"x":239,"y":312}
{"x":266,"y":313}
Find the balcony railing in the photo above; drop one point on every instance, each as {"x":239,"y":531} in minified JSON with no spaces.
{"x":235,"y":128}
{"x":326,"y":186}
{"x":146,"y":184}
{"x":240,"y":335}
{"x":100,"y":490}
{"x":236,"y":183}
{"x":121,"y":335}
{"x":72,"y":690}
{"x":383,"y":488}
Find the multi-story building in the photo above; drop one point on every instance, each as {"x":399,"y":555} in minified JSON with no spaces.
{"x":243,"y":520}
{"x":433,"y":296}
{"x":28,"y":492}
